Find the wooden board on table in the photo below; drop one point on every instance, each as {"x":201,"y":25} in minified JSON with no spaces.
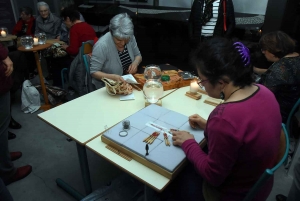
{"x":213,"y":101}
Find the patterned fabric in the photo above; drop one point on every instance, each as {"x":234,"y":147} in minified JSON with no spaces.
{"x":125,"y":59}
{"x":208,"y":11}
{"x":283,"y":79}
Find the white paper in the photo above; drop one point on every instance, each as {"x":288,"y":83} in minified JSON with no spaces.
{"x":159,"y":127}
{"x":127,"y":97}
{"x":130,"y":79}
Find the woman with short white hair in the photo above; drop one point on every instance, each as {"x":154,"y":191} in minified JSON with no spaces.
{"x":116,"y":53}
{"x":47,"y":22}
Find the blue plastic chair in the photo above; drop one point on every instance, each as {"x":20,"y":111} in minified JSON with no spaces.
{"x":269,"y":172}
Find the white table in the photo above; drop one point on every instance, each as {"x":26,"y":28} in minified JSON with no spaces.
{"x":85,"y":118}
{"x":179,"y":102}
{"x":176,"y":101}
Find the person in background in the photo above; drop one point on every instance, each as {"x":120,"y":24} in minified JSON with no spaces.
{"x":79,"y":32}
{"x":51,"y":25}
{"x":47,"y":22}
{"x":116,"y":53}
{"x":283,"y":76}
{"x":294,"y":193}
{"x":26,"y":25}
{"x":64,"y":33}
{"x":236,"y":137}
{"x":210,"y":18}
{"x":8,"y":173}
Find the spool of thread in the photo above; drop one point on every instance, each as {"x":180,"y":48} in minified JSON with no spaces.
{"x":126,"y":125}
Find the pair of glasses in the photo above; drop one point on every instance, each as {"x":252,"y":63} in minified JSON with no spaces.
{"x":200,"y":82}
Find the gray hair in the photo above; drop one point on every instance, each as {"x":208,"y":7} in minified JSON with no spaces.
{"x":121,"y":26}
{"x":42,"y":3}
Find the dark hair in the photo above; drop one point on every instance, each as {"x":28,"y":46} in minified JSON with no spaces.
{"x":67,"y":3}
{"x":26,"y":10}
{"x":277,"y":43}
{"x":217,"y":58}
{"x":71,"y":13}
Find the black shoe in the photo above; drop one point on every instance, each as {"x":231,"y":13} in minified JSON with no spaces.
{"x":11,"y":136}
{"x":13,"y":124}
{"x":49,"y":77}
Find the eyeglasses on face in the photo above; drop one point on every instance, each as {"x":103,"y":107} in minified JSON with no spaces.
{"x":200,"y":82}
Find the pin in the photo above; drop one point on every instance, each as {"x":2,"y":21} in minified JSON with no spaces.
{"x":147,"y":148}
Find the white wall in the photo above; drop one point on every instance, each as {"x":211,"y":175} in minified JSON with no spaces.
{"x":250,"y":6}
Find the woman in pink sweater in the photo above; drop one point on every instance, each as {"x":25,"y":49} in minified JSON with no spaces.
{"x":242,"y":134}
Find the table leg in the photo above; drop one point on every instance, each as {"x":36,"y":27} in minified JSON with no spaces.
{"x":46,"y":106}
{"x":84,"y":166}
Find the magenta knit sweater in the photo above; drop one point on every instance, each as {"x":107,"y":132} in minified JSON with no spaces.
{"x":243,"y":140}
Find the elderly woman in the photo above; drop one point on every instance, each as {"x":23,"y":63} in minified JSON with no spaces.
{"x":283,"y":76}
{"x":237,"y":150}
{"x":64,"y":33}
{"x":79,"y":32}
{"x":47,"y":22}
{"x":116,"y":53}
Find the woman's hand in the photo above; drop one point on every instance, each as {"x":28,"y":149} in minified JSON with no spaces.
{"x":197,"y":121}
{"x":118,"y":78}
{"x":9,"y":66}
{"x":132,"y":68}
{"x":179,"y":137}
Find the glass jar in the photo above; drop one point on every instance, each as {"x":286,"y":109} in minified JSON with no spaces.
{"x":26,"y":41}
{"x":152,"y":72}
{"x":153,"y":90}
{"x":41,"y":36}
{"x":3,"y":32}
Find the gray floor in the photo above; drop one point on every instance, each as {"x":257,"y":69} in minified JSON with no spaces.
{"x":52,"y":156}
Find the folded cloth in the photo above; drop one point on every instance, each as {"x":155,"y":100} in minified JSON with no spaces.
{"x":30,"y":98}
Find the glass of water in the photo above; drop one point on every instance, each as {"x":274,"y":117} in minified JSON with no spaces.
{"x":41,"y":37}
{"x":153,"y":90}
{"x":27,"y":42}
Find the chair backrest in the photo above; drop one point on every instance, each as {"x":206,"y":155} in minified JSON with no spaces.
{"x":86,"y":49}
{"x":269,"y":172}
{"x":292,"y":112}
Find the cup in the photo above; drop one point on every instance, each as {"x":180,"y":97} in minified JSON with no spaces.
{"x":27,"y":41}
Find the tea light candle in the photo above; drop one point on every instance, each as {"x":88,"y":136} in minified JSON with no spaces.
{"x":3,"y":33}
{"x":194,"y":87}
{"x":35,"y":41}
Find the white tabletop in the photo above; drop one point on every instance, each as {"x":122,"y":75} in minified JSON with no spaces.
{"x":134,"y":168}
{"x":86,"y":117}
{"x":179,"y":102}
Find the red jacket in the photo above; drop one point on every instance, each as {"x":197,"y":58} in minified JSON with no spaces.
{"x":5,"y":82}
{"x":30,"y":27}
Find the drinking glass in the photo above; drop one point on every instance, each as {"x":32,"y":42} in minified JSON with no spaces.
{"x":152,"y":72}
{"x":153,"y":90}
{"x":41,"y":37}
{"x":27,"y":42}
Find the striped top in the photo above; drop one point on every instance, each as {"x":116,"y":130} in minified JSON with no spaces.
{"x":125,"y":59}
{"x":209,"y":27}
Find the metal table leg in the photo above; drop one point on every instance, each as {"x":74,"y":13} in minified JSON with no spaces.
{"x":84,"y":166}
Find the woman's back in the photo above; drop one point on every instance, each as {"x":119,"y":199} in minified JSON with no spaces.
{"x":243,"y":140}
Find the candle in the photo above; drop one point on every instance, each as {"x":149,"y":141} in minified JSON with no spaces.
{"x":35,"y":41}
{"x":3,"y":33}
{"x":194,"y":87}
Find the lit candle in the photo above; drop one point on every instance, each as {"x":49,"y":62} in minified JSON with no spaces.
{"x":194,"y":87}
{"x":35,"y":41}
{"x":3,"y":33}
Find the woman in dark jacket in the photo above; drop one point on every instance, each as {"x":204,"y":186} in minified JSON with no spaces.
{"x":8,"y":173}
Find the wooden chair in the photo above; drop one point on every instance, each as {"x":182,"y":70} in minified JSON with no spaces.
{"x":269,"y":172}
